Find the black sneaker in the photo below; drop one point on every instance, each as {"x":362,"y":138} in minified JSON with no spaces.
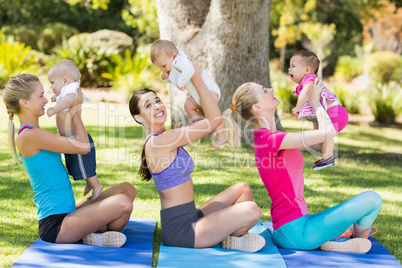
{"x":323,"y":163}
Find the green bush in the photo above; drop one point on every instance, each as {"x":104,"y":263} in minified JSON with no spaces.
{"x":349,"y":99}
{"x":385,"y":101}
{"x":381,"y":66}
{"x":22,"y":35}
{"x":91,"y":58}
{"x":348,"y":68}
{"x":133,"y":72}
{"x":15,"y":58}
{"x":397,"y":77}
{"x":113,"y":39}
{"x":53,"y":34}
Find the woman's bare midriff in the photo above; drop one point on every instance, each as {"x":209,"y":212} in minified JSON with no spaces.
{"x":178,"y":195}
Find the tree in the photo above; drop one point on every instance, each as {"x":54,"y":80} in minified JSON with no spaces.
{"x":229,"y":37}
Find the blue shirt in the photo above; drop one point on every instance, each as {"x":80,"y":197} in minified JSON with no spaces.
{"x":50,"y":184}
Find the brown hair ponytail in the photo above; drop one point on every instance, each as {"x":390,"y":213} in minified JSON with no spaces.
{"x":135,"y":110}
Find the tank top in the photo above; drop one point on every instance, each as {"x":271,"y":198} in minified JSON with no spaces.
{"x":178,"y":172}
{"x":49,"y":181}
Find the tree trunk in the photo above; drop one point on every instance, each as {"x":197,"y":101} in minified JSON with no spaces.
{"x":229,"y":37}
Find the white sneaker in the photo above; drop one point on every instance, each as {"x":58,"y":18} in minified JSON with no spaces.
{"x":106,"y":239}
{"x":353,"y":245}
{"x":248,"y":242}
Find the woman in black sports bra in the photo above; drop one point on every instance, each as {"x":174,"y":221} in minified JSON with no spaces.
{"x":225,"y":218}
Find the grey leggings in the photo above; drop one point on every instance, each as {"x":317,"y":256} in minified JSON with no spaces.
{"x":178,"y":225}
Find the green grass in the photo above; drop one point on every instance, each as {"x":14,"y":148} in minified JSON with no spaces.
{"x":362,"y":164}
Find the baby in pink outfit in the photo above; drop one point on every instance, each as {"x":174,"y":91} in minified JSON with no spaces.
{"x":303,"y":68}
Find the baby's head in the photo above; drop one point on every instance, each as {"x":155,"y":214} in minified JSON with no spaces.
{"x":63,"y":73}
{"x":163,"y":52}
{"x":302,"y":63}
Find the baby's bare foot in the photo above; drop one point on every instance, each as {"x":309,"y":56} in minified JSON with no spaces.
{"x":220,"y":140}
{"x":87,"y":189}
{"x":96,"y":192}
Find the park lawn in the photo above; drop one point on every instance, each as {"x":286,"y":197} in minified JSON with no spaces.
{"x":363,"y":164}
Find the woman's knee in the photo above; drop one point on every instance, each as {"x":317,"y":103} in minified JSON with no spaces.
{"x":250,"y":211}
{"x":128,"y":189}
{"x":374,"y":198}
{"x":243,"y":188}
{"x":122,"y":203}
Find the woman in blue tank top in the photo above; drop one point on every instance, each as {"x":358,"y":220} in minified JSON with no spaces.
{"x":225,"y":218}
{"x":60,"y":219}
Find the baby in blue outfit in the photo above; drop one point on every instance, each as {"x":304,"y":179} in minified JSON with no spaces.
{"x":64,"y":77}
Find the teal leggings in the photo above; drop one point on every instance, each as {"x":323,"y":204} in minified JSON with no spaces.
{"x":311,"y":231}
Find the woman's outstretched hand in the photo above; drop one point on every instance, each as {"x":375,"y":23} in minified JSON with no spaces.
{"x":197,"y":66}
{"x":314,"y":93}
{"x":76,"y":106}
{"x":78,"y":99}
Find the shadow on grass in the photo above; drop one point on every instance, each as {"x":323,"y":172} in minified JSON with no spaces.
{"x":367,"y":137}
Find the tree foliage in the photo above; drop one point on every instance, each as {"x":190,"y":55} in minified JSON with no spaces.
{"x":83,"y":15}
{"x":287,"y":17}
{"x":142,"y":15}
{"x":382,"y":26}
{"x":138,"y":14}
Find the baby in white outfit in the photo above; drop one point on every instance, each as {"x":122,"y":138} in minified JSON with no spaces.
{"x":177,"y":69}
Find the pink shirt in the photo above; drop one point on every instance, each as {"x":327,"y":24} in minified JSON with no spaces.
{"x":282,"y":174}
{"x":307,"y":110}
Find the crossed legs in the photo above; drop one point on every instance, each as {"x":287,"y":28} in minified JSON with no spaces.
{"x":110,"y":211}
{"x":231,"y":212}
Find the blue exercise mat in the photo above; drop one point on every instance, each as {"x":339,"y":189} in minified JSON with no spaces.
{"x":378,"y":256}
{"x":219,"y":257}
{"x":136,"y":252}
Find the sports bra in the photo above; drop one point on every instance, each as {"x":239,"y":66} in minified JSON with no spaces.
{"x":178,"y":172}
{"x":24,"y":127}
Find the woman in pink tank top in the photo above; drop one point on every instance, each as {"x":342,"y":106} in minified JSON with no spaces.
{"x":280,"y":165}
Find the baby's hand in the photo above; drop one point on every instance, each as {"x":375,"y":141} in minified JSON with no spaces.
{"x":50,"y":112}
{"x":182,"y":88}
{"x":295,"y":111}
{"x":164,"y":75}
{"x":53,"y":98}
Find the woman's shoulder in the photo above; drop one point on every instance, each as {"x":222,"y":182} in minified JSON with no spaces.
{"x":32,"y":136}
{"x":159,"y":144}
{"x":264,"y":134}
{"x":266,"y":131}
{"x":27,"y":139}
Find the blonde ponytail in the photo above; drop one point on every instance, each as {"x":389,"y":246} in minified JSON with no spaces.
{"x":20,"y":86}
{"x":233,"y":130}
{"x":242,"y":103}
{"x":11,"y":137}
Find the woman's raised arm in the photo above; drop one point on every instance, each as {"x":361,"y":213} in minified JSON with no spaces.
{"x":213,"y":117}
